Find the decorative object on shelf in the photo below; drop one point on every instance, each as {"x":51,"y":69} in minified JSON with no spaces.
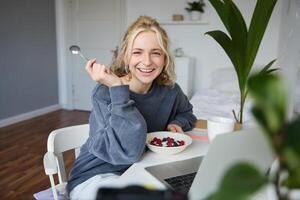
{"x":178,"y":52}
{"x":195,"y":9}
{"x":178,"y":17}
{"x":241,"y":44}
{"x":270,"y":110}
{"x":184,"y":70}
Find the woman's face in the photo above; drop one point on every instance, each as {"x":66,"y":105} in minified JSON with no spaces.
{"x":147,"y":58}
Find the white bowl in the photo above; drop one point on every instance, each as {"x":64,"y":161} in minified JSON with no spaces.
{"x":168,"y":150}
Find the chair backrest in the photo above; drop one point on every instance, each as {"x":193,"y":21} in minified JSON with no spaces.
{"x":64,"y":139}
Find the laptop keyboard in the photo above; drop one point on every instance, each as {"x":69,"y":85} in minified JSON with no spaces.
{"x":181,"y":183}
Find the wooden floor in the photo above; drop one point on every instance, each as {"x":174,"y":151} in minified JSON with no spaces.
{"x":22,"y":147}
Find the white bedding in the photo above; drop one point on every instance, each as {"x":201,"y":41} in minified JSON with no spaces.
{"x":213,"y":102}
{"x":223,"y":96}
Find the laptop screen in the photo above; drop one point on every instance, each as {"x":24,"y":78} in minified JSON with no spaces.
{"x":225,"y":150}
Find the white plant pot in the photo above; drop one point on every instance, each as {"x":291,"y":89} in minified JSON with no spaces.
{"x":195,"y":15}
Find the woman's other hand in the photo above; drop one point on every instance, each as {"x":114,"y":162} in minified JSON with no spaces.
{"x":174,"y":128}
{"x":101,"y":74}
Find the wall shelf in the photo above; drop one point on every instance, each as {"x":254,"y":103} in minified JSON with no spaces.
{"x":183,"y":23}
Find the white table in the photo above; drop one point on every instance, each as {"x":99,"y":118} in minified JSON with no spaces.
{"x":137,"y":175}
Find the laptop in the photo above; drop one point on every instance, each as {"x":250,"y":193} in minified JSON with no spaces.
{"x":200,"y":176}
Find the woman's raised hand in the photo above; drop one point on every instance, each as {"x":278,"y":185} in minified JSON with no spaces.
{"x":101,"y":74}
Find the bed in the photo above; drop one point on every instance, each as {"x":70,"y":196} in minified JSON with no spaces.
{"x":221,"y":97}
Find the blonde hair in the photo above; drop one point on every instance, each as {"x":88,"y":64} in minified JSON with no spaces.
{"x":145,"y":24}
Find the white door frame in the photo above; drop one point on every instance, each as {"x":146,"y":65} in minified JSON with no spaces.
{"x":63,"y":26}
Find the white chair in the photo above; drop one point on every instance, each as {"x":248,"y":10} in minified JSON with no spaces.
{"x":59,"y":141}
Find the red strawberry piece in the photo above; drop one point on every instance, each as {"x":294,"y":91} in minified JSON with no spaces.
{"x":170,"y":144}
{"x":170,"y":140}
{"x":158,"y":141}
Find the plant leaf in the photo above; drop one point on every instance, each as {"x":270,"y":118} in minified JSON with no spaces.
{"x":225,"y":42}
{"x":242,"y":177}
{"x":243,"y":46}
{"x":258,"y":25}
{"x":291,"y":152}
{"x":293,"y":180}
{"x":238,"y":33}
{"x":292,"y":139}
{"x":222,"y":10}
{"x":272,"y":70}
{"x":261,"y":119}
{"x":236,"y":26}
{"x":267,"y":67}
{"x":291,"y":158}
{"x":270,"y":101}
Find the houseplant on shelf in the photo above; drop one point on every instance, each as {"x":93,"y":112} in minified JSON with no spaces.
{"x":270,"y":110}
{"x":241,"y":44}
{"x":195,"y":9}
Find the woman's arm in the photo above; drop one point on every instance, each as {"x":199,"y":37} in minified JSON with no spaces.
{"x":184,"y":112}
{"x":117,"y":129}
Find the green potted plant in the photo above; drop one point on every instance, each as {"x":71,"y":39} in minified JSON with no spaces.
{"x":195,"y":9}
{"x":241,"y":44}
{"x":270,"y":110}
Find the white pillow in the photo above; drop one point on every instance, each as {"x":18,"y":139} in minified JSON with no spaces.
{"x":225,"y":80}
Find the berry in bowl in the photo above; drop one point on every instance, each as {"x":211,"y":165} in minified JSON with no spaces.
{"x":166,"y":142}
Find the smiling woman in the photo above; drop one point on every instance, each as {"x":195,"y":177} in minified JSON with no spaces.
{"x":147,"y":61}
{"x":139,"y":87}
{"x":145,"y":42}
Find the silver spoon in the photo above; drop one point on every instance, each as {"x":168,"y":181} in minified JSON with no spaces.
{"x":75,"y":50}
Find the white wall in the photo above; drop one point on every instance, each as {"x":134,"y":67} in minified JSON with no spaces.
{"x":289,"y":51}
{"x":208,"y":54}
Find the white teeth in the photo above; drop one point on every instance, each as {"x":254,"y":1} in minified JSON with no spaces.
{"x":145,"y":70}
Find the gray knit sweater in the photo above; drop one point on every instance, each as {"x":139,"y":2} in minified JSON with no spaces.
{"x":119,"y":123}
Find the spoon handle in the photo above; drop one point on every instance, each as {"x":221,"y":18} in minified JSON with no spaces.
{"x":82,"y":56}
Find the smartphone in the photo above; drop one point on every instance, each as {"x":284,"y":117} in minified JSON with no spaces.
{"x":138,"y":193}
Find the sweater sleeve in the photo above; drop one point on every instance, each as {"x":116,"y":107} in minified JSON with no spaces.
{"x":184,"y":116}
{"x":117,"y":129}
